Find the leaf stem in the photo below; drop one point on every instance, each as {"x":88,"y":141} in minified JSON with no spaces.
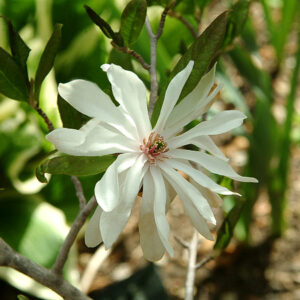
{"x":133,"y":54}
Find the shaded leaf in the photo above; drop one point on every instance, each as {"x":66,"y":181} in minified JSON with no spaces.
{"x":12,"y":80}
{"x":203,"y":51}
{"x":19,"y":49}
{"x":104,"y":26}
{"x":77,"y":165}
{"x":226,"y":231}
{"x":132,"y":20}
{"x":202,"y":3}
{"x":236,"y":21}
{"x":71,"y":118}
{"x":158,"y":2}
{"x":121,"y":59}
{"x":47,"y":58}
{"x":186,"y":7}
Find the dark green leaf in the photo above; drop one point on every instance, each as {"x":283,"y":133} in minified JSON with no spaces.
{"x":132,"y":20}
{"x":236,"y":21}
{"x":186,"y":7}
{"x":71,"y":118}
{"x":77,"y":165}
{"x":40,"y":175}
{"x":19,"y":49}
{"x":12,"y":80}
{"x":104,"y":26}
{"x":203,"y":51}
{"x":121,"y":59}
{"x":226,"y":231}
{"x":202,"y":3}
{"x":163,"y":3}
{"x":47,"y":59}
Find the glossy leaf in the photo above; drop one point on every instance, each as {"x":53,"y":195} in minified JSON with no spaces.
{"x":19,"y":49}
{"x":203,"y":51}
{"x":226,"y":231}
{"x":12,"y":80}
{"x":104,"y":26}
{"x":132,"y":20}
{"x":77,"y":165}
{"x":47,"y":58}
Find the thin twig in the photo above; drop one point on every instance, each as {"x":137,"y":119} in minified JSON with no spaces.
{"x":184,"y":21}
{"x":12,"y":259}
{"x":133,"y":54}
{"x":92,"y":267}
{"x":79,"y":192}
{"x":153,"y":45}
{"x":68,"y":242}
{"x":204,"y":261}
{"x":181,"y":241}
{"x":190,"y":277}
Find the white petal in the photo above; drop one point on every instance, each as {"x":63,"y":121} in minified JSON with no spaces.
{"x":199,"y":177}
{"x":160,"y":198}
{"x":90,"y":140}
{"x":212,"y":164}
{"x":206,"y":143}
{"x":89,"y":99}
{"x":182,"y":186}
{"x":130,"y":92}
{"x":92,"y":236}
{"x":112,"y":223}
{"x":222,"y":122}
{"x":107,"y":189}
{"x":151,"y":244}
{"x":172,"y":95}
{"x":197,"y":97}
{"x":190,"y":206}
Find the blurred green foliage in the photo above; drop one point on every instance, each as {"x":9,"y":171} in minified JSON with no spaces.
{"x":79,"y":48}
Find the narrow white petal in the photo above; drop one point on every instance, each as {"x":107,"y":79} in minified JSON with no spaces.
{"x":107,"y":189}
{"x":182,"y":186}
{"x":92,"y":235}
{"x":190,"y":206}
{"x":172,"y":95}
{"x":89,"y":99}
{"x":199,"y":177}
{"x":130,"y":92}
{"x":112,"y":223}
{"x":206,"y":143}
{"x":160,"y":198}
{"x":150,"y":241}
{"x":212,"y":164}
{"x":195,"y":114}
{"x":188,"y":105}
{"x":222,"y":122}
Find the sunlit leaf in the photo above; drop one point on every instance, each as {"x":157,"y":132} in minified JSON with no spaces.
{"x":47,"y":58}
{"x":203,"y":51}
{"x":226,"y":231}
{"x":13,"y":82}
{"x":132,"y":20}
{"x":77,"y":165}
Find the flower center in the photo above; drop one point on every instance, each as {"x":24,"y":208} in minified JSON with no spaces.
{"x":154,"y":148}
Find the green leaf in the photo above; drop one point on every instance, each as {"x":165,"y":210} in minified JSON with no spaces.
{"x":236,"y":21}
{"x":19,"y":49}
{"x":71,"y":118}
{"x":132,"y":20}
{"x":202,"y":3}
{"x":121,"y":59}
{"x":104,"y":26}
{"x":186,"y":7}
{"x":22,"y":297}
{"x":12,"y":80}
{"x":203,"y":51}
{"x":163,"y":3}
{"x":226,"y":231}
{"x":47,"y":59}
{"x":77,"y":165}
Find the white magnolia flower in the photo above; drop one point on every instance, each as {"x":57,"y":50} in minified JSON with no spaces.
{"x":148,"y":157}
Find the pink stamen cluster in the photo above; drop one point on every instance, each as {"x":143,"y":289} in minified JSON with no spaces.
{"x":154,"y":148}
